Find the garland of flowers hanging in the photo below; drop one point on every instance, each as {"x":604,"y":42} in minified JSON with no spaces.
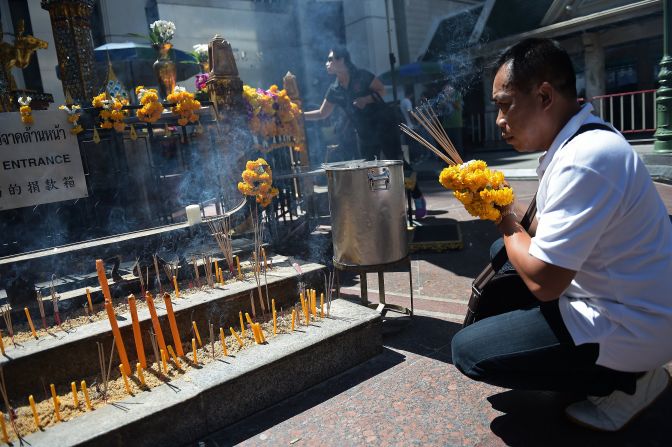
{"x":258,"y":182}
{"x":273,"y":117}
{"x":25,"y":110}
{"x":184,"y":105}
{"x":111,"y":113}
{"x":74,"y":113}
{"x":151,"y":109}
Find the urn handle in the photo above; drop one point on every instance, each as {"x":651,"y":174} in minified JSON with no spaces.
{"x":379,"y":179}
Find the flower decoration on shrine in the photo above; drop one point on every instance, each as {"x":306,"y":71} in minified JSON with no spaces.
{"x":480,"y":189}
{"x":200,"y":53}
{"x":151,"y":109}
{"x":258,"y":182}
{"x":25,"y":111}
{"x":74,"y":112}
{"x":161,"y":31}
{"x":201,"y":81}
{"x":111,"y":114}
{"x":184,"y":105}
{"x":273,"y":117}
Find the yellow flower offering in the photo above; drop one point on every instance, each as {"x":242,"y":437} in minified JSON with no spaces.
{"x":184,"y":105}
{"x":25,"y":110}
{"x":151,"y":109}
{"x":111,"y":114}
{"x":257,"y":181}
{"x":480,"y":189}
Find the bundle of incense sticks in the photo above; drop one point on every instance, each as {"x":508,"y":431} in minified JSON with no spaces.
{"x":54,"y":300}
{"x":40,"y":305}
{"x":220,"y":227}
{"x":7,"y":315}
{"x":428,"y":119}
{"x":207,"y":264}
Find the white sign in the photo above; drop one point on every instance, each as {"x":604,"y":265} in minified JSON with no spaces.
{"x":40,"y":163}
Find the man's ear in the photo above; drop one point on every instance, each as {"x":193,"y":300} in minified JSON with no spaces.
{"x":546,"y":93}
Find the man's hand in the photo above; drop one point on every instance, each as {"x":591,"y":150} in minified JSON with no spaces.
{"x":362,"y":101}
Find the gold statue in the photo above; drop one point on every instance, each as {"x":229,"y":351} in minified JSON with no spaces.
{"x":19,"y":54}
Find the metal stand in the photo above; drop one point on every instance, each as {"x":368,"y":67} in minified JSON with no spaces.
{"x":362,"y":270}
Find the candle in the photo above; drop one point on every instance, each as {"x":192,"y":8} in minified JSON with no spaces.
{"x":263,"y":253}
{"x":193,"y":349}
{"x":141,"y":375}
{"x":177,"y":289}
{"x":2,"y":344}
{"x":86,"y":395}
{"x":164,"y":361}
{"x":255,"y":332}
{"x":247,"y":317}
{"x":117,"y":337}
{"x":173,"y":325}
{"x":102,"y":279}
{"x":30,"y":322}
{"x":313,"y":302}
{"x":174,"y":357}
{"x":261,"y":333}
{"x":223,"y":340}
{"x":137,"y":335}
{"x":126,"y":384}
{"x":293,"y":318}
{"x":235,"y":334}
{"x":275,"y":323}
{"x":198,"y":335}
{"x":221,"y":276}
{"x":193,"y":214}
{"x":273,"y":305}
{"x":36,"y":418}
{"x":88,"y":298}
{"x":57,"y":410}
{"x":217,"y":272}
{"x":5,"y":437}
{"x":242,"y":325}
{"x":155,"y":321}
{"x":321,"y":305}
{"x":75,"y":399}
{"x":240,"y":273}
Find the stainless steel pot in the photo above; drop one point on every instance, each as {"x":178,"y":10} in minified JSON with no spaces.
{"x":368,"y":211}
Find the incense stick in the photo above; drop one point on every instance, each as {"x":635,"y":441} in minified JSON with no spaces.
{"x":7,"y":315}
{"x":429,"y":120}
{"x":40,"y":305}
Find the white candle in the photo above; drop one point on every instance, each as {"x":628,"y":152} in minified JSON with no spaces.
{"x":193,"y":214}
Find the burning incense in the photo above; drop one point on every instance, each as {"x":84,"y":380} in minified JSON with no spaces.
{"x":174,"y":357}
{"x":36,"y":418}
{"x":426,"y":117}
{"x":173,"y":325}
{"x":141,"y":375}
{"x":40,"y":305}
{"x":30,"y":322}
{"x":242,"y":324}
{"x":194,"y":261}
{"x":255,"y":333}
{"x":57,"y":405}
{"x":3,"y":427}
{"x":254,"y":312}
{"x":164,"y":361}
{"x":212,"y":339}
{"x":177,"y":289}
{"x":125,"y":377}
{"x":102,"y":279}
{"x":263,"y":254}
{"x":240,"y":273}
{"x":118,"y":341}
{"x":54,"y":300}
{"x":75,"y":399}
{"x":158,"y":273}
{"x":275,"y":323}
{"x":217,"y":271}
{"x":222,"y":338}
{"x":137,"y":335}
{"x":88,"y":299}
{"x":293,"y":318}
{"x":321,"y":305}
{"x":2,"y":344}
{"x":235,"y":334}
{"x":198,"y":335}
{"x":261,"y":333}
{"x":155,"y":321}
{"x":221,"y":231}
{"x":193,"y":349}
{"x":142,"y":280}
{"x":7,"y":315}
{"x":85,"y":391}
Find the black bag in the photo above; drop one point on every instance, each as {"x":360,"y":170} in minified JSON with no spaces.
{"x":493,"y":291}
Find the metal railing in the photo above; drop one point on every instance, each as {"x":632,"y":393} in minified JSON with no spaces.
{"x":629,"y":112}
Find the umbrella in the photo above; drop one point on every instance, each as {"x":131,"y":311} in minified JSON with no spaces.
{"x":417,"y":73}
{"x":132,"y":63}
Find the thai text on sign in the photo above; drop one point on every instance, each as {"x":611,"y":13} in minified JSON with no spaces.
{"x":40,"y":163}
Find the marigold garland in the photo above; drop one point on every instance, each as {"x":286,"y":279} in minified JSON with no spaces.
{"x":257,"y":181}
{"x":111,"y":114}
{"x":272,"y":114}
{"x":25,"y":110}
{"x":480,"y":189}
{"x":184,"y":105}
{"x":151,"y":109}
{"x":74,"y":113}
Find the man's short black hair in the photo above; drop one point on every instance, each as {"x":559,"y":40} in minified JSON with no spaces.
{"x":534,"y":60}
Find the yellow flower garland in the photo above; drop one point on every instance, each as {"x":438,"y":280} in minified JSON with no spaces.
{"x":184,"y":105}
{"x":74,"y":113}
{"x":111,"y":114}
{"x":480,"y":189}
{"x":257,"y":181}
{"x":151,"y":109}
{"x":25,"y":110}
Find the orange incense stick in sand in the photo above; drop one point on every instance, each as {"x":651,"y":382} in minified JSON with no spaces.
{"x":121,"y":349}
{"x":155,"y":321}
{"x":198,"y":335}
{"x":30,"y":322}
{"x":86,"y":395}
{"x":102,"y":279}
{"x":137,"y":335}
{"x":88,"y":299}
{"x":194,"y":350}
{"x":235,"y":334}
{"x":223,"y":340}
{"x":36,"y":418}
{"x":173,"y":325}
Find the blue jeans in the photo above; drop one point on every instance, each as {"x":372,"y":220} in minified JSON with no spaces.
{"x":531,"y":349}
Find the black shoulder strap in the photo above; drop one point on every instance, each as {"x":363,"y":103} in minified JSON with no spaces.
{"x":500,"y":258}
